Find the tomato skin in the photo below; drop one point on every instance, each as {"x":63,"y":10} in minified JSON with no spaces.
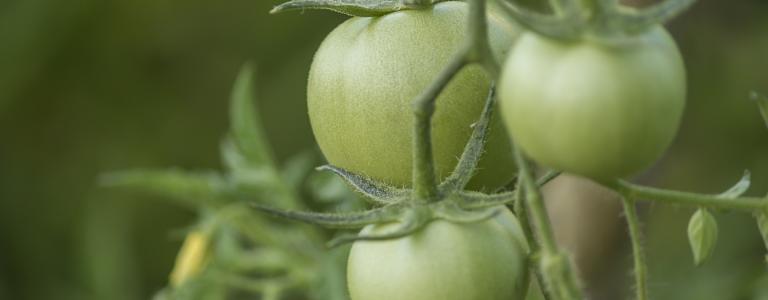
{"x":477,"y":261}
{"x":368,"y":71}
{"x":592,"y":108}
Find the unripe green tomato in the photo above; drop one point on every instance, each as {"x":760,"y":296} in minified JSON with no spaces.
{"x":447,"y":261}
{"x":366,"y":75}
{"x":597,"y":109}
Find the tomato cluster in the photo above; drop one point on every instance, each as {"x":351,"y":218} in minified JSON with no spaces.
{"x":596,"y":108}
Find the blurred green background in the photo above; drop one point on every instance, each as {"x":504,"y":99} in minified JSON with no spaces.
{"x":89,"y":86}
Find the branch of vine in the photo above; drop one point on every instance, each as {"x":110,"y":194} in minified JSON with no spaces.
{"x":639,"y":192}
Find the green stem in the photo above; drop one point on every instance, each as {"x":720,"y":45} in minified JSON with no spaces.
{"x":634,"y":191}
{"x":477,"y":38}
{"x":555,"y":265}
{"x":635,"y":236}
{"x":522,"y":215}
{"x":424,"y":181}
{"x":475,"y":49}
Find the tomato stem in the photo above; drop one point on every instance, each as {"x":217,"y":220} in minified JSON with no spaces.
{"x":521,"y":211}
{"x":475,"y":50}
{"x":635,"y":235}
{"x":634,"y":191}
{"x":424,"y":179}
{"x":555,"y":264}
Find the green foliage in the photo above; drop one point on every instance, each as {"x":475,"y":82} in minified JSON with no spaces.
{"x":241,"y":250}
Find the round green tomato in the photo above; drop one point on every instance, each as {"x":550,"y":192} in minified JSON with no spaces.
{"x":366,"y":75}
{"x":447,"y":261}
{"x":598,"y":109}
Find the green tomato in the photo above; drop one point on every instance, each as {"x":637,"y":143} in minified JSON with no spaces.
{"x":477,"y":261}
{"x":366,"y":75}
{"x":598,"y":109}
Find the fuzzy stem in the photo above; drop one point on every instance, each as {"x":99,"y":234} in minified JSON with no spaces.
{"x":555,"y":265}
{"x":630,"y":212}
{"x":477,"y":38}
{"x":634,"y":191}
{"x":424,"y":181}
{"x":522,"y":215}
{"x":475,"y":49}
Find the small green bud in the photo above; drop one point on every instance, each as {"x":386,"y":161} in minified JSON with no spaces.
{"x":702,"y":235}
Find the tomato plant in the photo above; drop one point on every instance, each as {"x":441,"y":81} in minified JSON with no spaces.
{"x":402,"y":90}
{"x":599,"y":109}
{"x":444,"y":260}
{"x":365,"y":76}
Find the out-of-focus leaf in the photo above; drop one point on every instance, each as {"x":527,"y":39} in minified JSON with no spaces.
{"x":199,"y":288}
{"x":761,"y":288}
{"x":245,"y":127}
{"x":702,"y":235}
{"x":191,"y":189}
{"x":245,"y":176}
{"x":332,"y":283}
{"x":298,"y":168}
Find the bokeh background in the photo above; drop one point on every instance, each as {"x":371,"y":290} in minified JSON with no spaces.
{"x":88,"y":86}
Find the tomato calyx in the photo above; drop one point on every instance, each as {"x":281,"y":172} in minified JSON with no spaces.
{"x":355,"y":8}
{"x":404,"y":207}
{"x":605,"y":19}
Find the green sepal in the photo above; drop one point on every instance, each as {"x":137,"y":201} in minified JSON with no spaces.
{"x":702,"y":235}
{"x":477,"y":200}
{"x":615,"y":19}
{"x":739,"y":188}
{"x":377,"y":192}
{"x":567,"y":23}
{"x":473,"y":150}
{"x":347,"y":220}
{"x":355,"y":8}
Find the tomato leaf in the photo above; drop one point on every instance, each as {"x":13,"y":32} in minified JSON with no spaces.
{"x":702,"y":235}
{"x":762,"y":104}
{"x":298,"y":168}
{"x":191,"y":189}
{"x":357,"y":8}
{"x":245,"y":128}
